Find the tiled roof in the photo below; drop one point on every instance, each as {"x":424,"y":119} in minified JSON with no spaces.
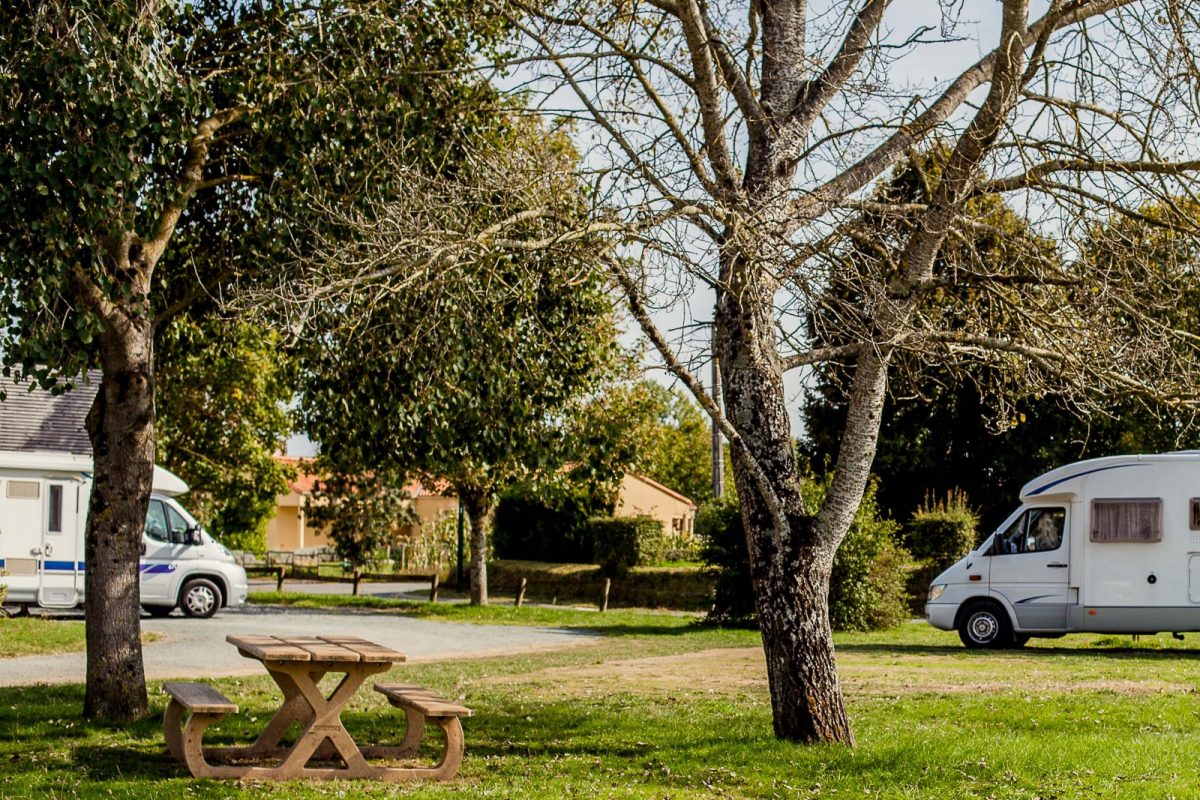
{"x":33,"y":419}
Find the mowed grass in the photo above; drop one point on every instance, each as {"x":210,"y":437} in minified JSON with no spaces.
{"x":661,"y":708}
{"x":29,"y":636}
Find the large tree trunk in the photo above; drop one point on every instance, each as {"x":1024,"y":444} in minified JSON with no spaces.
{"x":121,"y":427}
{"x":478,"y":507}
{"x":791,"y":567}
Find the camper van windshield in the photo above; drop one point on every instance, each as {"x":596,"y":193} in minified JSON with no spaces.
{"x":1037,"y":530}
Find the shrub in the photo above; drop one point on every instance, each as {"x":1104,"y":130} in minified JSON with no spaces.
{"x":550,"y":524}
{"x":3,"y":591}
{"x":941,"y":531}
{"x":939,"y":534}
{"x":867,"y":587}
{"x":623,"y":542}
{"x":719,"y":527}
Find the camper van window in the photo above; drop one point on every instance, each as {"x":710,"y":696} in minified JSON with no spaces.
{"x":1127,"y":520}
{"x":156,"y":521}
{"x":177,"y":525}
{"x":1035,"y":531}
{"x":54,"y":523}
{"x":1195,"y":515}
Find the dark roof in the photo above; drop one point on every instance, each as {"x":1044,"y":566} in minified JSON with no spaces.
{"x":36,"y":420}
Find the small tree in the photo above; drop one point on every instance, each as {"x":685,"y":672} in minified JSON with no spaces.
{"x":363,"y":515}
{"x":477,"y":374}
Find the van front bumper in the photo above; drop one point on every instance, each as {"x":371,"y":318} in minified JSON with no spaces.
{"x":941,"y":615}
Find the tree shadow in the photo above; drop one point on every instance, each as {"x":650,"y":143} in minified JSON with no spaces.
{"x":1024,"y":652}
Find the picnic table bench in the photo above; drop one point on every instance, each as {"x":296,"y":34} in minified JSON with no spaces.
{"x":297,"y":664}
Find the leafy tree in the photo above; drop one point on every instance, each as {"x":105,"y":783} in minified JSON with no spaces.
{"x":222,"y":393}
{"x":472,"y":374}
{"x":156,"y":153}
{"x":678,"y":448}
{"x":949,"y":426}
{"x":362,"y":513}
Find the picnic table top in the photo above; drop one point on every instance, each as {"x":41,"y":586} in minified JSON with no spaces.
{"x":341,"y":649}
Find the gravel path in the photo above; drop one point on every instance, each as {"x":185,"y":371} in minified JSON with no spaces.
{"x":191,"y":648}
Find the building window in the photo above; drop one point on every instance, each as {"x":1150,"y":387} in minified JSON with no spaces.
{"x":1127,"y":520}
{"x":24,"y":490}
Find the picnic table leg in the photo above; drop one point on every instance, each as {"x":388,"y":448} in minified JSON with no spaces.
{"x":173,"y":729}
{"x":414,"y":732}
{"x":325,"y":726}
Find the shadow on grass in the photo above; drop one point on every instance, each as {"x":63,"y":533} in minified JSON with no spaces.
{"x":1101,"y":651}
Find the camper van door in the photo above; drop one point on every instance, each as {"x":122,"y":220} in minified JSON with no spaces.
{"x":61,"y":556}
{"x":1030,"y":566}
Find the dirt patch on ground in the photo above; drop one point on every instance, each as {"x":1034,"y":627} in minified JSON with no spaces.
{"x":742,"y":670}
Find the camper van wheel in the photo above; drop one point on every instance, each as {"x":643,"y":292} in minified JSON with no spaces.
{"x":200,"y":598}
{"x":985,"y":625}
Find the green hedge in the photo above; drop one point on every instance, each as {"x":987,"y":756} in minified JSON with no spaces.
{"x":675,"y":588}
{"x":939,"y":534}
{"x":620,"y":543}
{"x":867,"y":587}
{"x":546,"y":525}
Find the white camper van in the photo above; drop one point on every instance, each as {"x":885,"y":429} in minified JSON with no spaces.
{"x":1108,"y":545}
{"x":43,"y":510}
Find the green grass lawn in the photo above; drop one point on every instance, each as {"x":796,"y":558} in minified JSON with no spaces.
{"x":29,"y":636}
{"x":33,"y":636}
{"x":661,"y":708}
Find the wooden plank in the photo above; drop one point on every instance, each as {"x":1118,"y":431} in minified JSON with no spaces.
{"x":321,"y":650}
{"x":267,"y":648}
{"x":200,"y":698}
{"x":367,"y":651}
{"x":418,"y":698}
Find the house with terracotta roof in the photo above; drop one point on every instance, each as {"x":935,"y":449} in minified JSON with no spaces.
{"x":290,"y":529}
{"x":641,"y":496}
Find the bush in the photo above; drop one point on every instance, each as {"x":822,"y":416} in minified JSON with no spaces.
{"x":867,"y":590}
{"x":867,"y":587}
{"x":939,"y":534}
{"x":941,"y":531}
{"x":623,"y":542}
{"x":719,"y":527}
{"x":545,"y":525}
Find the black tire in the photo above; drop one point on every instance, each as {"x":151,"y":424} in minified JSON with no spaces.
{"x":985,"y":626}
{"x":158,"y":611}
{"x":200,"y":598}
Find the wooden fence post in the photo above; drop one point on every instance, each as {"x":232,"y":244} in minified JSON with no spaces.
{"x":279,"y":578}
{"x":433,"y":587}
{"x":521,"y":593}
{"x":604,"y":595}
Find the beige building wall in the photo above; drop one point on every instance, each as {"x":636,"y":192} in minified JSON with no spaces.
{"x":290,"y":529}
{"x":642,"y":496}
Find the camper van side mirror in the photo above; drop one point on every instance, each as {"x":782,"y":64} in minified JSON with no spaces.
{"x":192,"y":535}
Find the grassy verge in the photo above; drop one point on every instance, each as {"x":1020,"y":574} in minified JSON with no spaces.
{"x":612,"y":620}
{"x":33,"y":636}
{"x":672,"y":710}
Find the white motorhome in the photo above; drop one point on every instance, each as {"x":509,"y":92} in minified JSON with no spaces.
{"x":43,"y":511}
{"x":1108,"y":545}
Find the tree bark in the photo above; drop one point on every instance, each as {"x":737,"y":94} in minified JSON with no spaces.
{"x":121,"y":427}
{"x":478,"y":507}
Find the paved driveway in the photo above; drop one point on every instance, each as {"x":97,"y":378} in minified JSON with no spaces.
{"x":194,"y":648}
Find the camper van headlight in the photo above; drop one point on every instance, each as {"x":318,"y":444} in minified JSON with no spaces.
{"x":935,"y":591}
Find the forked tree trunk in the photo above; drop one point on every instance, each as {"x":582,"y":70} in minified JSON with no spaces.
{"x":791,"y":568}
{"x":477,"y":506}
{"x":121,"y":427}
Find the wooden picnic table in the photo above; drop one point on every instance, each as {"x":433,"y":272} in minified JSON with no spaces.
{"x":297,"y":664}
